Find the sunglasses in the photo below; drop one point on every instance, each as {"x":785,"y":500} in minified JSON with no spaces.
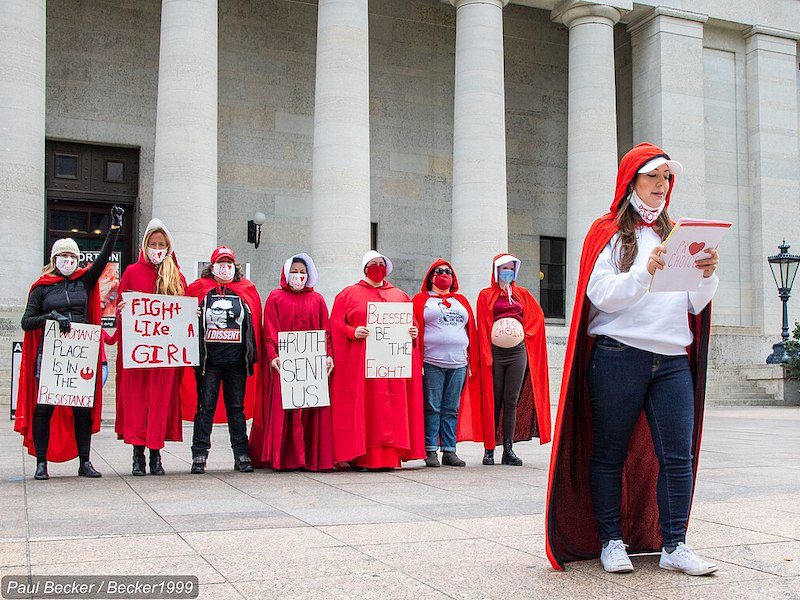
{"x":442,"y":271}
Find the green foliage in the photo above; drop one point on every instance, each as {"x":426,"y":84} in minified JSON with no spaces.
{"x":793,"y":350}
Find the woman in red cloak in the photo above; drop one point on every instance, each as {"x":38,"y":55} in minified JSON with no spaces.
{"x":302,"y":438}
{"x":513,"y":362}
{"x":148,"y":400}
{"x":377,"y":423}
{"x":630,"y":415}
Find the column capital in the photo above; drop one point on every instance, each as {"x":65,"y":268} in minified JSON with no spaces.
{"x":781,"y":41}
{"x":676,"y":21}
{"x":460,"y":3}
{"x":575,"y":12}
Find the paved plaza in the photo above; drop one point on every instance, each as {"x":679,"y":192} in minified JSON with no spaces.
{"x":416,"y":533}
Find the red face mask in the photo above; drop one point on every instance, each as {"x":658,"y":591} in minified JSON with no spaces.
{"x":376,"y":273}
{"x":443,"y":282}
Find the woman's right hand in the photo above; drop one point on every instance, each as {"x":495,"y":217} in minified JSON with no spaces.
{"x":121,"y":304}
{"x":361,"y":332}
{"x":654,"y":261}
{"x":275,"y":363}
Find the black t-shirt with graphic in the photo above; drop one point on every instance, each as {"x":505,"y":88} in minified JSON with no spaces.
{"x":223,"y":328}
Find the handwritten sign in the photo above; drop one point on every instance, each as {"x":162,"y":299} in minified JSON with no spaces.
{"x":69,"y":365}
{"x":389,"y":344}
{"x":159,"y":331}
{"x":304,"y":369}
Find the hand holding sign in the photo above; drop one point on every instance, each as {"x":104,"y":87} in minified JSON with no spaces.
{"x":69,"y":365}
{"x":304,"y":366}
{"x":390,"y":342}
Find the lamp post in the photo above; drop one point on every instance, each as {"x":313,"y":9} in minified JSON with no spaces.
{"x":254,"y":228}
{"x":784,"y":268}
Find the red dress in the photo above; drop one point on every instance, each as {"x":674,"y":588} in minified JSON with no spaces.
{"x":377,"y":423}
{"x":290,"y":439}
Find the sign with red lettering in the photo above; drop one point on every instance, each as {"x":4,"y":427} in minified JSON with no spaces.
{"x":159,"y":331}
{"x":304,"y":369}
{"x":389,"y":343}
{"x":69,"y":365}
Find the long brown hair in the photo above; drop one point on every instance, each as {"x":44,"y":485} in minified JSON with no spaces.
{"x":625,"y":248}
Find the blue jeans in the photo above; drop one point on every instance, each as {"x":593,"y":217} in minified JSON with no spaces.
{"x":622,"y":382}
{"x":442,"y":388}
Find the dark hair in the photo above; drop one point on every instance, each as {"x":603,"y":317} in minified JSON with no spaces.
{"x":237,"y":273}
{"x":297,"y":259}
{"x":626,"y":248}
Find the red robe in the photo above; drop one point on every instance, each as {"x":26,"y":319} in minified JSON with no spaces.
{"x":533,"y":407}
{"x":570,"y":528}
{"x":62,"y":446}
{"x":247,"y":291}
{"x":471,"y":411}
{"x":290,"y":439}
{"x":152,"y":392}
{"x":376,"y":422}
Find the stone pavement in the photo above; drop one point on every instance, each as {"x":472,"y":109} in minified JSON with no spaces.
{"x":475,"y":532}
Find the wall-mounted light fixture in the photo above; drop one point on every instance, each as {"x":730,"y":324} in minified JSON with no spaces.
{"x":254,"y":228}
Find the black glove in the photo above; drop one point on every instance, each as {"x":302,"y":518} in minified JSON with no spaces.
{"x":63,"y":322}
{"x":116,"y":216}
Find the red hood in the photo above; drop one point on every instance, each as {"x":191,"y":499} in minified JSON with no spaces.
{"x":426,"y":281}
{"x":634,"y":160}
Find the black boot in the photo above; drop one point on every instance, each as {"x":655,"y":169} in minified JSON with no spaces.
{"x":451,"y":459}
{"x":198,"y":465}
{"x":509,"y":458}
{"x":242,"y":464}
{"x":41,"y":470}
{"x":156,"y":467}
{"x":432,"y":459}
{"x":138,"y":461}
{"x":488,"y":457}
{"x":86,"y":469}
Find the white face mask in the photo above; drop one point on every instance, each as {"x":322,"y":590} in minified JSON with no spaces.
{"x":66,"y":265}
{"x":223,"y":270}
{"x":156,"y":255}
{"x":297,"y":281}
{"x":648,"y":214}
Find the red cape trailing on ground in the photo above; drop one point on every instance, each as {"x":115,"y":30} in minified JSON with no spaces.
{"x":159,"y":384}
{"x":290,"y":439}
{"x":62,"y":446}
{"x":247,"y":291}
{"x":473,"y":408}
{"x":376,"y":422}
{"x":570,"y":527}
{"x":533,"y":408}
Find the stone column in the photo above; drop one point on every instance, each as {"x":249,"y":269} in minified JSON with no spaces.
{"x":591,"y":122}
{"x":480,"y":214}
{"x":772,"y":133}
{"x":22,"y":119}
{"x":668,"y":101}
{"x":340,"y":222}
{"x":185,"y":167}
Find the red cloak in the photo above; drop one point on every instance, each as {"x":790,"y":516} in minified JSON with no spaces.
{"x":62,"y":446}
{"x":152,"y":394}
{"x":290,"y":439}
{"x":246,"y":290}
{"x":570,"y":527}
{"x":471,"y":410}
{"x":533,"y":407}
{"x":376,"y":422}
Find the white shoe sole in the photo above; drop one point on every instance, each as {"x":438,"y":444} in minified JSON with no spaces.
{"x":623,"y":569}
{"x":708,"y":571}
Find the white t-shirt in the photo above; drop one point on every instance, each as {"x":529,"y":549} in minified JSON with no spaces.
{"x":622,"y":308}
{"x":446,"y":335}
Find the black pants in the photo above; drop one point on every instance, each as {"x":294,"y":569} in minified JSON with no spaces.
{"x":508,"y":373}
{"x":233,"y":379}
{"x":41,"y":430}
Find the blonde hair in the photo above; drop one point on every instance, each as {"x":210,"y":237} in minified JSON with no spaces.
{"x":49,"y":268}
{"x":168,"y":276}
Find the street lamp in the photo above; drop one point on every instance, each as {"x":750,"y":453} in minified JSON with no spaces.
{"x":254,"y":228}
{"x":784,"y":268}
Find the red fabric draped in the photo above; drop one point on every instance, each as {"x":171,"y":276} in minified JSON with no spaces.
{"x":62,"y":446}
{"x":290,"y":439}
{"x":376,"y":422}
{"x":570,"y":528}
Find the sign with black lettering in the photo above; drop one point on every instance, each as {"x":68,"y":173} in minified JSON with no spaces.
{"x":389,"y":343}
{"x":16,"y":363}
{"x":304,"y":369}
{"x":69,"y":365}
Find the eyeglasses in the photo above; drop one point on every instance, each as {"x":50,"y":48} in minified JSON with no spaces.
{"x":442,"y":271}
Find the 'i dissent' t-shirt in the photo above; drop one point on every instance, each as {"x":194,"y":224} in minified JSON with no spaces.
{"x":223,"y":331}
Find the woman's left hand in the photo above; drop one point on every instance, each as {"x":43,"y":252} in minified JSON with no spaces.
{"x":330,"y":365}
{"x":413,"y":331}
{"x":709,"y":265}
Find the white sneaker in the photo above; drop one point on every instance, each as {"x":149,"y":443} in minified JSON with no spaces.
{"x":615,"y":559}
{"x":685,"y":559}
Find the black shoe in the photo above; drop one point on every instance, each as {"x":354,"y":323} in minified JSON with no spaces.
{"x":509,"y":458}
{"x":198,"y":465}
{"x":242,"y":464}
{"x":138,"y":461}
{"x":451,"y":459}
{"x":432,"y":459}
{"x":41,"y":471}
{"x":87,"y":470}
{"x":488,"y":457}
{"x":156,"y":468}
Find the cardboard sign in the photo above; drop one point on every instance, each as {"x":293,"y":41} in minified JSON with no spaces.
{"x":69,"y":365}
{"x":159,"y":331}
{"x":686,"y":244}
{"x":389,"y":344}
{"x":16,"y":363}
{"x":304,"y":369}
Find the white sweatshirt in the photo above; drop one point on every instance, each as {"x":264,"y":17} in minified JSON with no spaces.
{"x":622,"y":308}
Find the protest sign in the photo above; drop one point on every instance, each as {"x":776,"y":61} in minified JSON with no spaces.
{"x":304,"y":369}
{"x":16,"y":362}
{"x":389,"y":344}
{"x":109,"y":284}
{"x":69,"y":365}
{"x":159,"y":331}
